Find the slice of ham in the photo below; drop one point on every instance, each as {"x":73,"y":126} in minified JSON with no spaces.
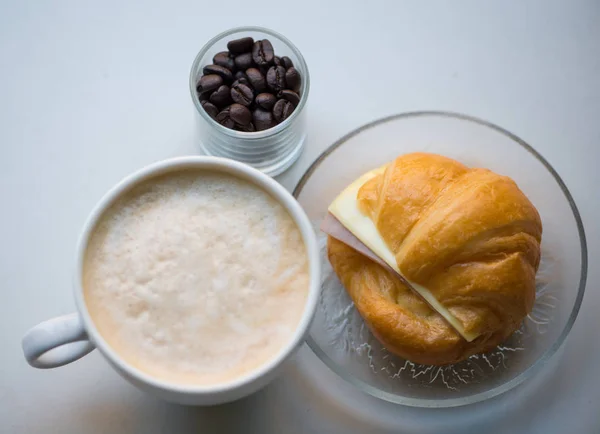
{"x":334,"y":228}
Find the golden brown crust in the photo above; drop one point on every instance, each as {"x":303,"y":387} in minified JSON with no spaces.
{"x":468,"y":235}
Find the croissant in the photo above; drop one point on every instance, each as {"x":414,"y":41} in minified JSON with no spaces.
{"x":468,"y":237}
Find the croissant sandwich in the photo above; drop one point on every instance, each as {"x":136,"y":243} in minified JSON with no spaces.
{"x":439,"y":259}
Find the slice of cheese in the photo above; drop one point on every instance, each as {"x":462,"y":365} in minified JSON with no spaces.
{"x":345,"y":209}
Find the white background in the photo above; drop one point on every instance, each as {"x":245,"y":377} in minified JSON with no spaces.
{"x":90,"y":91}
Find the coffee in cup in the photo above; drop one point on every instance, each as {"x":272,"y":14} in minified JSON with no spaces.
{"x":196,"y":277}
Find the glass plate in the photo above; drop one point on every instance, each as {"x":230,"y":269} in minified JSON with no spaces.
{"x":339,"y":336}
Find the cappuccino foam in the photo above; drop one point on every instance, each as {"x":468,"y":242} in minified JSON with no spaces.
{"x":196,"y":277}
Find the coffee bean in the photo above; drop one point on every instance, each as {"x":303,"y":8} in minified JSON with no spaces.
{"x":210,"y":109}
{"x":221,"y":97}
{"x":223,"y":59}
{"x":290,"y":96}
{"x":240,"y":81}
{"x":277,"y":61}
{"x":204,"y":96}
{"x":224,"y":118}
{"x":239,"y":75}
{"x":256,"y":79}
{"x":240,"y":78}
{"x":287,"y":62}
{"x":266,"y":100}
{"x":246,"y":128}
{"x":282,"y":110}
{"x":219,"y":70}
{"x":276,"y":78}
{"x":240,"y":114}
{"x":243,"y":61}
{"x":292,"y":79}
{"x":264,"y":69}
{"x":239,"y":46}
{"x":209,"y":83}
{"x":242,"y":94}
{"x":263,"y":119}
{"x":262,"y":52}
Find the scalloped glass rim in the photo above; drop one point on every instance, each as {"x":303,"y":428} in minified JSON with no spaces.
{"x":442,"y":403}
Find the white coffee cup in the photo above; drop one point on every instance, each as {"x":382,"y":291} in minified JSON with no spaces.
{"x":64,"y":339}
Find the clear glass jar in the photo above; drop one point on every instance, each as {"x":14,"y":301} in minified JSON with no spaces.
{"x":272,"y":151}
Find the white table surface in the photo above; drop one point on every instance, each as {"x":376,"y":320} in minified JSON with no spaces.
{"x":90,"y":91}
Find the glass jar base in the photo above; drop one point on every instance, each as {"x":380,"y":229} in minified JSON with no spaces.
{"x":271,"y":168}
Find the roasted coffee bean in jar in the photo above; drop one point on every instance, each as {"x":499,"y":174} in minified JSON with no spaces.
{"x":249,"y":87}
{"x":250,"y":74}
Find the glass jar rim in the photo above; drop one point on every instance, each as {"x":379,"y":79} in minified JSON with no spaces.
{"x":256,"y":135}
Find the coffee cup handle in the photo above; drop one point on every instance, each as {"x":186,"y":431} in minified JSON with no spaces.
{"x":56,"y":342}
